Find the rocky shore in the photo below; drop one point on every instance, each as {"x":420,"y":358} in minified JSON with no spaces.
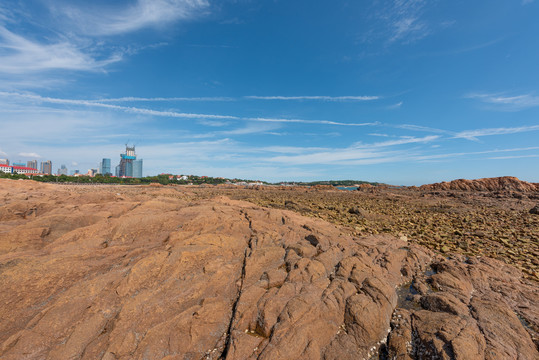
{"x":499,"y":224}
{"x":154,"y":272}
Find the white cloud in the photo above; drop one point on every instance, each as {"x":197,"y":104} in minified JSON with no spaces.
{"x":249,"y":128}
{"x":513,"y":157}
{"x":212,"y":123}
{"x":324,"y":98}
{"x":409,"y":27}
{"x":22,"y":55}
{"x":127,"y":109}
{"x":2,"y":153}
{"x":321,"y":122}
{"x":159,"y":99}
{"x":400,"y":21}
{"x":66,"y":41}
{"x":173,"y":114}
{"x":503,"y":102}
{"x":357,"y":154}
{"x":30,"y":155}
{"x":474,"y":134}
{"x":114,"y":20}
{"x":395,"y":106}
{"x":420,"y":128}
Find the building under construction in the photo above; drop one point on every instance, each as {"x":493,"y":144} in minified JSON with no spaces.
{"x":129,"y":165}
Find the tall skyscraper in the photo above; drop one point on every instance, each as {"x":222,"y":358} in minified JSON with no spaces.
{"x":32,"y":164}
{"x":137,"y":168}
{"x":62,"y":170}
{"x":129,"y":165}
{"x":104,"y":167}
{"x":46,"y":167}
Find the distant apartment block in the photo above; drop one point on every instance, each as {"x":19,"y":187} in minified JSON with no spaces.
{"x":4,"y":162}
{"x":62,"y":170}
{"x":46,"y":167}
{"x":32,"y":164}
{"x":137,"y":168}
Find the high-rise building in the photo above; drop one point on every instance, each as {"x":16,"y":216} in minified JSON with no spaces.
{"x":127,"y":164}
{"x":46,"y":167}
{"x":137,"y":168}
{"x":104,"y":167}
{"x":62,"y":170}
{"x":32,"y":164}
{"x":4,"y":162}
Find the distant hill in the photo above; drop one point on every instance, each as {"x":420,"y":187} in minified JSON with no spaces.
{"x":337,"y":183}
{"x":505,"y":183}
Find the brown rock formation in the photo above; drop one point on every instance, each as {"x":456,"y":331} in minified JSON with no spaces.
{"x":505,"y":183}
{"x":116,"y":272}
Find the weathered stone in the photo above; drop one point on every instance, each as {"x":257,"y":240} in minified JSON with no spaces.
{"x":182,"y":277}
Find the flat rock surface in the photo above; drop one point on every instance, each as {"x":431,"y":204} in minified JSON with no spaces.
{"x":124,"y":272}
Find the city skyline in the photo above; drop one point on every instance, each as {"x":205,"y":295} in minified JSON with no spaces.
{"x":129,"y":166}
{"x":401,"y":92}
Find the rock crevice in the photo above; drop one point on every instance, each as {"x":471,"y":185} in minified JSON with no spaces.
{"x":225,"y":279}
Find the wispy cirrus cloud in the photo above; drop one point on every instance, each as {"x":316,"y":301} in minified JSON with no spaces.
{"x":513,"y":157}
{"x":356,"y":154}
{"x":163,"y":99}
{"x":171,"y":114}
{"x":420,"y":128}
{"x":22,"y":55}
{"x":500,"y":101}
{"x":92,"y":20}
{"x":395,"y":106}
{"x":474,"y":134}
{"x":384,"y":154}
{"x":401,"y":21}
{"x":30,"y":155}
{"x":251,"y":97}
{"x":320,"y":122}
{"x":129,"y":109}
{"x":62,"y":35}
{"x":323,"y":98}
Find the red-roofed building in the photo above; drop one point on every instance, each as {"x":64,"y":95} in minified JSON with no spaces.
{"x":17,"y":169}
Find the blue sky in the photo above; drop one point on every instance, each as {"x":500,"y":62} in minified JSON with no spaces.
{"x":402,"y":92}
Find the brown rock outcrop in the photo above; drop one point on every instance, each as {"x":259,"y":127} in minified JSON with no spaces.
{"x":505,"y":183}
{"x":153,"y":273}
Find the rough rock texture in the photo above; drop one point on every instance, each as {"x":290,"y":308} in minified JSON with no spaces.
{"x":114,"y":272}
{"x":504,"y":183}
{"x":493,"y":224}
